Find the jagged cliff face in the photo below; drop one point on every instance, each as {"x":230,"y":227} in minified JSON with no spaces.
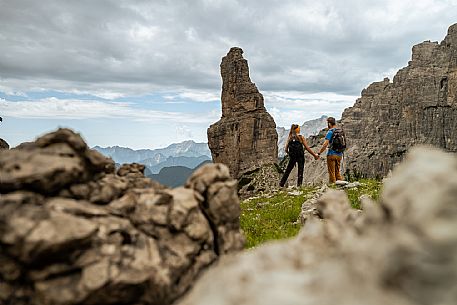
{"x":419,"y":106}
{"x":245,"y":137}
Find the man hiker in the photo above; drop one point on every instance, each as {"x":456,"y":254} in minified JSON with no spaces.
{"x":294,"y":148}
{"x":336,"y":142}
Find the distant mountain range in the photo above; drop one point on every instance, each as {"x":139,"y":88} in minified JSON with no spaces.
{"x":128,"y":155}
{"x":175,"y":176}
{"x":188,"y":154}
{"x":308,"y":128}
{"x":189,"y":162}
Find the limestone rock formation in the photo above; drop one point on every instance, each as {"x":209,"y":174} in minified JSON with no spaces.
{"x":74,"y":231}
{"x":402,"y":250}
{"x":245,"y":137}
{"x":4,"y":144}
{"x":419,"y":106}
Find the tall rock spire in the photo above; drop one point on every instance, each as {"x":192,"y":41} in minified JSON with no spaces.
{"x":245,"y":137}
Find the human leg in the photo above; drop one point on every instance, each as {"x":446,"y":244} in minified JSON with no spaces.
{"x":331,"y":169}
{"x":337,"y":168}
{"x":301,"y":166}
{"x":286,"y":174}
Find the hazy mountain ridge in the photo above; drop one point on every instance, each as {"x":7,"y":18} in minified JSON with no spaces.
{"x":175,"y":176}
{"x":187,"y":153}
{"x":189,"y":162}
{"x":124,"y":154}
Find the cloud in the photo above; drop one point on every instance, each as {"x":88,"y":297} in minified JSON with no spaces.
{"x":54,"y":108}
{"x":307,"y":57}
{"x":121,"y":48}
{"x":297,"y":107}
{"x":193,"y":95}
{"x":184,"y":132}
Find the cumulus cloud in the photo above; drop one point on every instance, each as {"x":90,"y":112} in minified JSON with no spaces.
{"x":135,"y":47}
{"x":55,"y":108}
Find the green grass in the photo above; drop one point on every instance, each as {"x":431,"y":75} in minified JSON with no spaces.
{"x":275,"y":216}
{"x":264,"y":218}
{"x":370,"y":187}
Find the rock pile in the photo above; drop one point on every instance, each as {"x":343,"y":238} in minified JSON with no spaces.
{"x":264,"y":179}
{"x":418,"y":107}
{"x":402,"y":250}
{"x":245,"y":137}
{"x":74,"y":231}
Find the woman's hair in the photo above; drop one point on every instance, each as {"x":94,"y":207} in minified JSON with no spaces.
{"x":293,"y":134}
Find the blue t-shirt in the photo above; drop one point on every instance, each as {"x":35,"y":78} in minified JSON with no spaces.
{"x":331,"y":152}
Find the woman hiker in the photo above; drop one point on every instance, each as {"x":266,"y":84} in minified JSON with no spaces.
{"x":294,"y":148}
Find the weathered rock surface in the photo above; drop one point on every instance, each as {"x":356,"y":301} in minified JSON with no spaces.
{"x":245,"y":137}
{"x":418,"y":107}
{"x":73,"y":231}
{"x":4,"y":144}
{"x":402,"y":250}
{"x":264,"y":179}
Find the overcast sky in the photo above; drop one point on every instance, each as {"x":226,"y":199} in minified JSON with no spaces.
{"x":145,"y":74}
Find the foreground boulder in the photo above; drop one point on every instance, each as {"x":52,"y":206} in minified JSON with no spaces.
{"x":74,"y":231}
{"x":402,"y":250}
{"x":245,"y":137}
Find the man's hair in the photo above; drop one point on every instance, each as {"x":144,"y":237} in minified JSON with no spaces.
{"x":331,"y":121}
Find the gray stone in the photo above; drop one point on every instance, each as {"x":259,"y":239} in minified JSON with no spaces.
{"x":245,"y":137}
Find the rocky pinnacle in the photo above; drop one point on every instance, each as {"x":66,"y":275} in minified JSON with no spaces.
{"x":245,"y":137}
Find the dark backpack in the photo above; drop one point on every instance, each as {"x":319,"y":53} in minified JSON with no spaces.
{"x":295,"y":148}
{"x":338,"y":140}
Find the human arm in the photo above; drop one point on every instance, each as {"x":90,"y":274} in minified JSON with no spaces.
{"x":324,"y":147}
{"x":328,"y":137}
{"x":308,"y":149}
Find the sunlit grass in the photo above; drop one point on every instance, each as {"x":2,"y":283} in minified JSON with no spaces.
{"x":264,"y":218}
{"x":275,"y":216}
{"x":370,"y":187}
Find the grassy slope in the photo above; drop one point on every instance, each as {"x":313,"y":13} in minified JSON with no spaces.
{"x":370,"y":187}
{"x":275,"y":216}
